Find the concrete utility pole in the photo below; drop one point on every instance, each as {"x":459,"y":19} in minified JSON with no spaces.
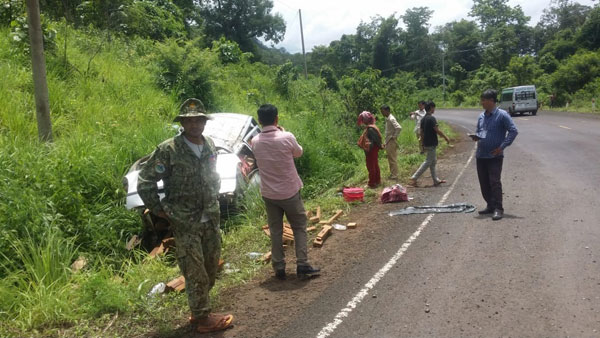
{"x":302,"y":36}
{"x":38,"y":66}
{"x":444,"y":77}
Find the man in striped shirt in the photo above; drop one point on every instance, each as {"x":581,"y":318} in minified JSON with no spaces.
{"x":495,"y":131}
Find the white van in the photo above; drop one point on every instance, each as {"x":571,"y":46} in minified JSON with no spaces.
{"x":522,"y":99}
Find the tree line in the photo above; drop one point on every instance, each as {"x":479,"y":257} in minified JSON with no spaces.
{"x":496,"y":47}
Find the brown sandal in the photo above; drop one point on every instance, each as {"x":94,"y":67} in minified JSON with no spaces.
{"x":223,"y":322}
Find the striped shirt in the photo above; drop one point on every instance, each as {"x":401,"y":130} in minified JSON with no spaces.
{"x":496,"y":130}
{"x":275,"y":151}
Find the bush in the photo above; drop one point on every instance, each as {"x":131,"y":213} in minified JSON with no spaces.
{"x":185,"y":71}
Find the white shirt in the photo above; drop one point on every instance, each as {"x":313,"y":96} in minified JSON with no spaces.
{"x":392,"y":128}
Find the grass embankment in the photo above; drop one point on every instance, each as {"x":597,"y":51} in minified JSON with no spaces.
{"x":64,"y":200}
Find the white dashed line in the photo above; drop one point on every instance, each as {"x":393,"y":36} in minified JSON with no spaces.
{"x":339,"y":318}
{"x":565,"y":127}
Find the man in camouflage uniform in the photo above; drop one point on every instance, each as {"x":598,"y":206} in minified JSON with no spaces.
{"x":187,"y":165}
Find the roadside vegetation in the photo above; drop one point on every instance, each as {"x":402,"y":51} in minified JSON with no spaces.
{"x":117,"y":71}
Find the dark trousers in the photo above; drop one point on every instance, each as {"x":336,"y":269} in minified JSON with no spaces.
{"x":489,"y":171}
{"x":372,"y":157}
{"x":293,"y":209}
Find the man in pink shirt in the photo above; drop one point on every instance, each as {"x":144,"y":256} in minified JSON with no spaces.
{"x":275,"y":150}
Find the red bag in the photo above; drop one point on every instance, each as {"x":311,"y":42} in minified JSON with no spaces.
{"x":395,"y":193}
{"x":353,"y":194}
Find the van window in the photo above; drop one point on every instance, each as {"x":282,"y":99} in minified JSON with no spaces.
{"x":506,"y":96}
{"x":521,"y":96}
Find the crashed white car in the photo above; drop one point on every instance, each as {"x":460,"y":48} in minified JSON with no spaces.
{"x":236,"y":165}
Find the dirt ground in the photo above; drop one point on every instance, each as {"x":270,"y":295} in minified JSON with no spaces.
{"x":265,"y":305}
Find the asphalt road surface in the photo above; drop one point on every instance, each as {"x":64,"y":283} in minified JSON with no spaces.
{"x":535,"y":273}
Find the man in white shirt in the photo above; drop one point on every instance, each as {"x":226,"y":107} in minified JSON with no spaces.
{"x":392,"y":129}
{"x":417,"y":115}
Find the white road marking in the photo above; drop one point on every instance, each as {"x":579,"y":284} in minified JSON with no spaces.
{"x":565,"y":127}
{"x":339,"y":318}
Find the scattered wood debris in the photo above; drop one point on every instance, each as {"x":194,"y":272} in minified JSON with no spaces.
{"x":323,"y":234}
{"x":338,"y":213}
{"x":351,"y":225}
{"x":164,"y":247}
{"x":266,"y":258}
{"x":133,"y":242}
{"x":312,"y":228}
{"x":288,"y":233}
{"x":317,"y":217}
{"x":177,"y":284}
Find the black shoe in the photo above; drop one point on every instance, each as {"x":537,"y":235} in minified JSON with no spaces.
{"x":307,"y":271}
{"x":498,"y":215}
{"x":280,"y":274}
{"x":486,"y":211}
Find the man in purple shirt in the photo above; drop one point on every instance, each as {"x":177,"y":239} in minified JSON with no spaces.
{"x":275,"y":150}
{"x":495,"y":131}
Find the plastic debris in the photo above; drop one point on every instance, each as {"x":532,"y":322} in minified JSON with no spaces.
{"x":254,"y":255}
{"x":435,"y":209}
{"x":157,"y":289}
{"x":339,"y":226}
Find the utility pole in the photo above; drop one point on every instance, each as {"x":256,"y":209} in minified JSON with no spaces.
{"x":303,"y":52}
{"x":444,"y":77}
{"x":38,"y":67}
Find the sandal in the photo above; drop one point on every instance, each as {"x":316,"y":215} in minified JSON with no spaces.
{"x":222,"y":322}
{"x":413,"y":183}
{"x":439,"y":182}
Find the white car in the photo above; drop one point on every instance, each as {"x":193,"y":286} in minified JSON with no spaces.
{"x":236,"y":166}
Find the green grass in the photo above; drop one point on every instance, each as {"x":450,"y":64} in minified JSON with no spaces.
{"x":63,"y":200}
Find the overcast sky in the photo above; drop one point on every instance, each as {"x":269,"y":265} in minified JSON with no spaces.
{"x":326,"y":20}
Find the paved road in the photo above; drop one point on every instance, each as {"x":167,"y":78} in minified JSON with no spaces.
{"x":536,"y":273}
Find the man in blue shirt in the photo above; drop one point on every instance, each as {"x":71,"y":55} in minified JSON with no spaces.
{"x":495,"y":131}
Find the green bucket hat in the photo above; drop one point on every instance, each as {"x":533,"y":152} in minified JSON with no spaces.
{"x":191,"y":108}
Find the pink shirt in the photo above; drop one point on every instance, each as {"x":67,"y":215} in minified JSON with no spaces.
{"x":275,"y":151}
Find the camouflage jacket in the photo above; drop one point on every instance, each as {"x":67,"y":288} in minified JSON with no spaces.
{"x":191,"y":183}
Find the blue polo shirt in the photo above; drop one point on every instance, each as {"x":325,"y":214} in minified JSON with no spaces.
{"x":495,"y":130}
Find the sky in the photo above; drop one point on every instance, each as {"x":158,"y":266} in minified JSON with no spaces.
{"x":327,"y":20}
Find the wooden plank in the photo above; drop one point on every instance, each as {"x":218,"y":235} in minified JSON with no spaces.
{"x":266,"y":257}
{"x":163,"y":247}
{"x":177,"y":284}
{"x":338,"y":213}
{"x":133,"y":242}
{"x":351,"y":225}
{"x":317,"y":217}
{"x":323,"y":234}
{"x":313,"y":228}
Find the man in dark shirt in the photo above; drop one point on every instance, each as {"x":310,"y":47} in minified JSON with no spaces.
{"x":429,"y":141}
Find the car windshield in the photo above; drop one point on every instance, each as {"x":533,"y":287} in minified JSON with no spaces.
{"x":225,"y":129}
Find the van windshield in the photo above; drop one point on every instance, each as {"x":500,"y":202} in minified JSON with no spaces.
{"x":525,"y":95}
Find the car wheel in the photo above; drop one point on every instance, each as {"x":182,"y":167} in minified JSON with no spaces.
{"x":533,"y":113}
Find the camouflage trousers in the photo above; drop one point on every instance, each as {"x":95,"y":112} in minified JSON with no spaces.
{"x":198,"y":253}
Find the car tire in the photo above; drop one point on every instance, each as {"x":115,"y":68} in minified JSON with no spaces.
{"x":533,"y":113}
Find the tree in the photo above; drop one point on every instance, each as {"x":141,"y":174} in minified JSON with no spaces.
{"x":38,"y":63}
{"x":422,"y":52}
{"x":561,"y":15}
{"x":242,"y":21}
{"x":524,"y":69}
{"x":462,"y":40}
{"x":589,"y":36}
{"x":382,"y":43}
